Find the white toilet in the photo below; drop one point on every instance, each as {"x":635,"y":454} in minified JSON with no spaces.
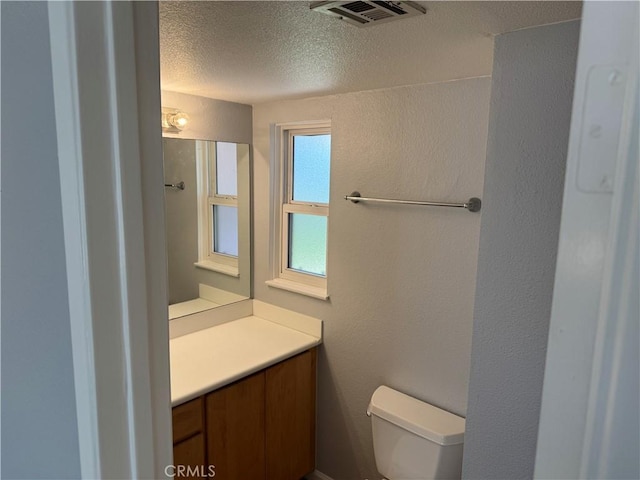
{"x":413,"y":440}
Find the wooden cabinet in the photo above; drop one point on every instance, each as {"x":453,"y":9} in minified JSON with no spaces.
{"x":235,"y":429}
{"x":188,"y":437}
{"x":190,"y":453}
{"x":259,"y":428}
{"x":291,"y":417}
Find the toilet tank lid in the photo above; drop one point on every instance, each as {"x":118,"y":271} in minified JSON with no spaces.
{"x":418,"y":417}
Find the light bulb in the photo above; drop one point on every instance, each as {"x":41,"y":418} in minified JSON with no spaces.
{"x":180,"y":120}
{"x":173,"y":120}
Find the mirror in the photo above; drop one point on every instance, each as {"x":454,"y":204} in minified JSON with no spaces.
{"x":207,"y":209}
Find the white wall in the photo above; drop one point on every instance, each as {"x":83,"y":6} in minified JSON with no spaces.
{"x":401,"y":279}
{"x":39,"y":425}
{"x":531,"y":95}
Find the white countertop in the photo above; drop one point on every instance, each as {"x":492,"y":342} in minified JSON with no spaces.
{"x":190,"y":306}
{"x":211,"y":358}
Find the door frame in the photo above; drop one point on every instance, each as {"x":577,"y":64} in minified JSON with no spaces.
{"x":589,"y":394}
{"x":106,"y":75}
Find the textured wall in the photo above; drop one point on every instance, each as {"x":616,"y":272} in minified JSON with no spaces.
{"x":531,"y":97}
{"x":39,"y":425}
{"x":401,"y":279}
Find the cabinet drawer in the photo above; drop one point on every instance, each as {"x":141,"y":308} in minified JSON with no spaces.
{"x":188,"y":419}
{"x":190,"y":453}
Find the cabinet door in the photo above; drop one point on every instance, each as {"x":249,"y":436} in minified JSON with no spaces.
{"x":235,"y":430}
{"x":291,"y":417}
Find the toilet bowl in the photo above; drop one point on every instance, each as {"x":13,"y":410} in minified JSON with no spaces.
{"x":413,"y":440}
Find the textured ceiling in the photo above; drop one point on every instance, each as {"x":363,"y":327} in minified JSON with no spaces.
{"x":255,"y":51}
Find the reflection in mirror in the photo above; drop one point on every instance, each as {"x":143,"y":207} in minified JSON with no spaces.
{"x":207,"y":207}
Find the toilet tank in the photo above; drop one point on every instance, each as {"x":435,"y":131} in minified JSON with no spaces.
{"x":413,"y":440}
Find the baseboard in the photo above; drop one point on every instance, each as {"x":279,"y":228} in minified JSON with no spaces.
{"x":316,"y":475}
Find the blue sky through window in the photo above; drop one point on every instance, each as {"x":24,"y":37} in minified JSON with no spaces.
{"x":308,"y":233}
{"x":311,"y":166}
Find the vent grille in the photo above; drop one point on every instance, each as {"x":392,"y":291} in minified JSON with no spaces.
{"x":358,"y":7}
{"x":363,"y":13}
{"x":377,"y":15}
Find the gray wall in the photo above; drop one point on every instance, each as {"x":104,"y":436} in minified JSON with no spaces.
{"x":181,"y":215}
{"x":211,"y":119}
{"x":39,"y":425}
{"x":531,"y":96}
{"x":401,"y":279}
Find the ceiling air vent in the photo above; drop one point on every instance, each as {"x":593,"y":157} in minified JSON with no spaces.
{"x":364,"y":12}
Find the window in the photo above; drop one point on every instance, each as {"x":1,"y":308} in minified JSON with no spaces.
{"x":218,"y":206}
{"x":300,"y":239}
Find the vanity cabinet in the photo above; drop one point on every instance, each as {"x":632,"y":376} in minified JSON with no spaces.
{"x":260,"y":428}
{"x":189,"y":435}
{"x":236,"y":429}
{"x":290,"y":426}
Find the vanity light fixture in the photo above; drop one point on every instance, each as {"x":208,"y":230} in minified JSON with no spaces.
{"x":173,"y":120}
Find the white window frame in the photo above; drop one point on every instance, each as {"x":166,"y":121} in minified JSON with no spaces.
{"x":283,"y":204}
{"x":206,"y":179}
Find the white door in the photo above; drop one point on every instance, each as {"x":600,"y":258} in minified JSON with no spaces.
{"x":589,"y":423}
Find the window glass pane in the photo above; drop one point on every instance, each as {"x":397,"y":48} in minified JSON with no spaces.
{"x":226,"y":169}
{"x":308,"y":243}
{"x":311,"y":160}
{"x":225,"y":230}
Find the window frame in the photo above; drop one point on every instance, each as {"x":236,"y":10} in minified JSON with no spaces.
{"x":206,"y":163}
{"x":284,"y":277}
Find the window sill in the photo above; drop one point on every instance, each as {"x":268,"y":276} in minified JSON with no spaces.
{"x":218,"y":267}
{"x":295,"y":287}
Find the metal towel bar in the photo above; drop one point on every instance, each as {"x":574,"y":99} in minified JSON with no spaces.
{"x":179,"y":186}
{"x":473,"y":204}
